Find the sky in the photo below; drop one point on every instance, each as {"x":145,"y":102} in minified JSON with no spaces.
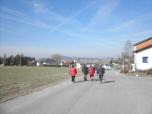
{"x":77,"y":28}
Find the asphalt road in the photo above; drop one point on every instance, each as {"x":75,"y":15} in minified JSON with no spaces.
{"x":116,"y":95}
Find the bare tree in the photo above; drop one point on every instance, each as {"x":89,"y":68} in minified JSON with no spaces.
{"x":1,"y":60}
{"x":17,"y":59}
{"x":127,"y":53}
{"x":57,"y":58}
{"x":5,"y":59}
{"x":128,"y":48}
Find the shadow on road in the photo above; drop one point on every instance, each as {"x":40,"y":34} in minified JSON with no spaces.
{"x":95,"y":79}
{"x":81,"y":81}
{"x":104,"y":81}
{"x":109,"y":81}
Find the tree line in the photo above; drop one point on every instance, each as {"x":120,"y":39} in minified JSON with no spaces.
{"x":18,"y":60}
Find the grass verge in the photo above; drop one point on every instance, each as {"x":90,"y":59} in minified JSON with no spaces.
{"x":16,"y":81}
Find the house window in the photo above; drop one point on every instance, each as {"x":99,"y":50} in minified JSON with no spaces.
{"x":145,"y":59}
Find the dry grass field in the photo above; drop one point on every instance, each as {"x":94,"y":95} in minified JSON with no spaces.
{"x":16,"y":80}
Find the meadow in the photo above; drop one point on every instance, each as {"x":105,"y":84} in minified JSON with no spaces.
{"x":20,"y":80}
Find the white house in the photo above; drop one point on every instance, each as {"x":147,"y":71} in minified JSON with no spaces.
{"x":143,"y":54}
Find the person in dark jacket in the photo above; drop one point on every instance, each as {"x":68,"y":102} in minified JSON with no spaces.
{"x":101,"y":71}
{"x":73,"y":73}
{"x":85,"y":72}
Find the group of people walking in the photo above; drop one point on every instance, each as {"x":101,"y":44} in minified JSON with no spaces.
{"x":88,"y":70}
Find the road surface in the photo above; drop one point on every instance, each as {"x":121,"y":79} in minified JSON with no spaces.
{"x":116,"y":95}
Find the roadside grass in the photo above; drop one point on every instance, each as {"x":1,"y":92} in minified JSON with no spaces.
{"x":16,"y":80}
{"x":140,"y":74}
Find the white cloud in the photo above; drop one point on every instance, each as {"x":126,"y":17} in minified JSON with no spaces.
{"x":42,"y":8}
{"x":72,"y":17}
{"x":13,"y":12}
{"x":132,"y":23}
{"x":34,"y":23}
{"x":37,"y":23}
{"x":124,"y":26}
{"x":61,"y":20}
{"x":105,"y":9}
{"x":145,"y":32}
{"x":39,"y":7}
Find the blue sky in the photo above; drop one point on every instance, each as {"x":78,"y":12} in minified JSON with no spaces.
{"x":82,"y":28}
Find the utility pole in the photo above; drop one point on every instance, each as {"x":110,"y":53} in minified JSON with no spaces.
{"x":129,"y":62}
{"x":123,"y":66}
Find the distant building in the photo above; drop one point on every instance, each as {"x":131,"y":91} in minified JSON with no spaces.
{"x":78,"y":65}
{"x":38,"y":64}
{"x":67,"y":63}
{"x":143,"y":54}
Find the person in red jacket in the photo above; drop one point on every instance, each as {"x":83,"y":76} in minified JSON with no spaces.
{"x":91,"y":72}
{"x":73,"y":73}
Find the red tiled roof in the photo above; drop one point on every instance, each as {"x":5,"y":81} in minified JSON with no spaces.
{"x":143,"y":44}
